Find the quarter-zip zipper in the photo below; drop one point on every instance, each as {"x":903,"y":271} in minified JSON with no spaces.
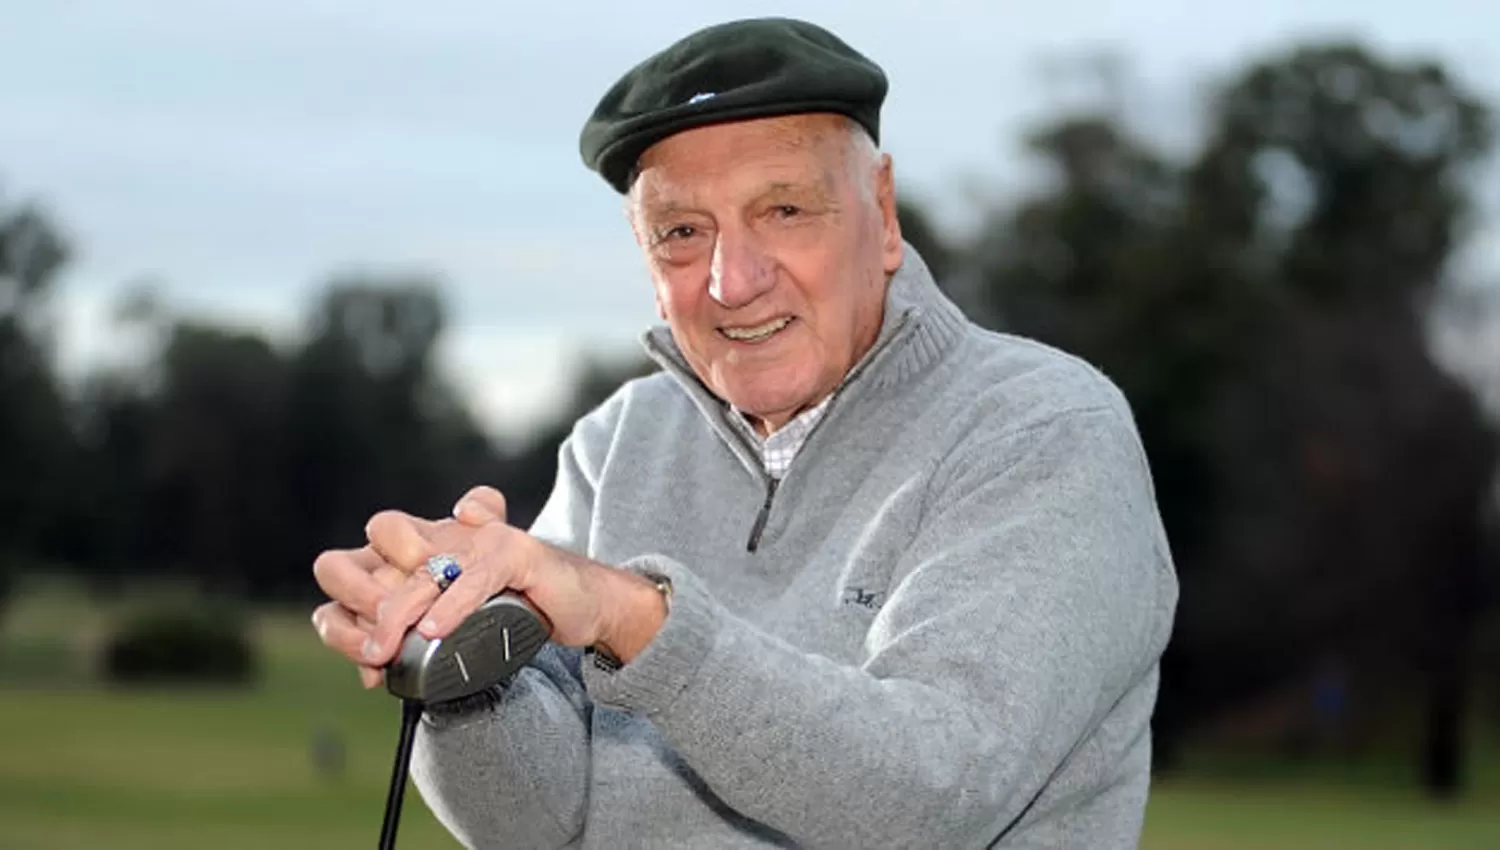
{"x":762,"y":518}
{"x":765,"y":514}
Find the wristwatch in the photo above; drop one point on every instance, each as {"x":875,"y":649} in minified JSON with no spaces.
{"x":606,"y":660}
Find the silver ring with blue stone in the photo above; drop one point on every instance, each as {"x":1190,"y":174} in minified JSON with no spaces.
{"x":444,"y":570}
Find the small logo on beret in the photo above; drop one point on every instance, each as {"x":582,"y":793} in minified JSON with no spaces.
{"x":700,"y":97}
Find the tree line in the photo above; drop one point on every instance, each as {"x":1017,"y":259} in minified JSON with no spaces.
{"x":1264,"y":300}
{"x":227,"y":460}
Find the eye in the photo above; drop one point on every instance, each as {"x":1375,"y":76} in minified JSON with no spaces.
{"x":675,"y":233}
{"x":787,"y":211}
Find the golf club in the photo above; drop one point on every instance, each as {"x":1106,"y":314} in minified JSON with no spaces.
{"x":486,"y":649}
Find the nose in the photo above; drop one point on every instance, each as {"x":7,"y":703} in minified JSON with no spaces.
{"x":741,"y":270}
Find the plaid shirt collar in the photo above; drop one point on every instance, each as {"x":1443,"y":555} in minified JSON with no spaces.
{"x":778,"y":450}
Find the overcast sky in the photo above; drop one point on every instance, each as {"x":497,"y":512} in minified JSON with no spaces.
{"x":242,"y":152}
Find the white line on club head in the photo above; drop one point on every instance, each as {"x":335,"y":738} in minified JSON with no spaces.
{"x":505,"y":635}
{"x":461,"y":668}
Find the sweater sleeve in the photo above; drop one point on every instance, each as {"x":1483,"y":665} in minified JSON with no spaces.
{"x":1038,"y":590}
{"x":510,"y":767}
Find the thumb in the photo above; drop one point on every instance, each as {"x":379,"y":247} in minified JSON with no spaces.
{"x":479,"y":506}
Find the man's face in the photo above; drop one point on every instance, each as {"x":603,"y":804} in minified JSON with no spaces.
{"x":770,"y":243}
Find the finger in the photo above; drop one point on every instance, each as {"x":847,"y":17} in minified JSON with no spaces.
{"x":339,"y":631}
{"x":473,"y":514}
{"x":479,"y":506}
{"x":371,"y":677}
{"x":400,"y":538}
{"x":347,"y":577}
{"x":506,"y":562}
{"x":332,"y":624}
{"x":402,"y":608}
{"x":462,"y":598}
{"x":388,"y":577}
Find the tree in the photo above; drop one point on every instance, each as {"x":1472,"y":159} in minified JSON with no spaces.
{"x":232,"y":462}
{"x":215,"y":459}
{"x":1261,"y":304}
{"x":35,"y":446}
{"x":1362,"y":168}
{"x":371,"y":424}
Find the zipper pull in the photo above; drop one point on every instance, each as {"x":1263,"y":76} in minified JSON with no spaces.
{"x":760,"y":519}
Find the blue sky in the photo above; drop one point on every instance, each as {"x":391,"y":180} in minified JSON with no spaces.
{"x":241,"y":153}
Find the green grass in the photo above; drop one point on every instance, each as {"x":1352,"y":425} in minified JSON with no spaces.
{"x":1212,"y":815}
{"x":86,"y":767}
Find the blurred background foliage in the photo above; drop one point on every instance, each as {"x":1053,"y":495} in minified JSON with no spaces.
{"x":1269,"y":301}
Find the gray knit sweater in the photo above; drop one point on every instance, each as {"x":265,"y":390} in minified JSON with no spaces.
{"x":941,"y":629}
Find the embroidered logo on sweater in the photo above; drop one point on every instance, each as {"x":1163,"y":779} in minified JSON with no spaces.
{"x":871,"y":599}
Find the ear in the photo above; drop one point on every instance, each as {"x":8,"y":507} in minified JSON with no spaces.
{"x":891,"y":246}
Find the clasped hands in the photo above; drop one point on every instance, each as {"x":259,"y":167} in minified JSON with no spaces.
{"x":380,"y":590}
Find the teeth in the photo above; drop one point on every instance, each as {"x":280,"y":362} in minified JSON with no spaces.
{"x":757,"y":332}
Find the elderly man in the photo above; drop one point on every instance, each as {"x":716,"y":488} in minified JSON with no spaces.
{"x":849,"y":571}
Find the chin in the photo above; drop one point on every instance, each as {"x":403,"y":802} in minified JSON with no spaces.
{"x":763,"y":397}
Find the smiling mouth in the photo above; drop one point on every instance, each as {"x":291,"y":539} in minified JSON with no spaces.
{"x":756,"y":333}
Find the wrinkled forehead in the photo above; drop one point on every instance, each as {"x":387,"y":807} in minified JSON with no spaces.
{"x":743,"y":157}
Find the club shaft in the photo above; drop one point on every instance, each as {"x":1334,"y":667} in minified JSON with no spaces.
{"x":411,"y":714}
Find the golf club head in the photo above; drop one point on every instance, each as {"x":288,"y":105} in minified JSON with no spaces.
{"x":487,"y":648}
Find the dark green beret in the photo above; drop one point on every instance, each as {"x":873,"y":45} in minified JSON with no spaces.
{"x":730,"y":72}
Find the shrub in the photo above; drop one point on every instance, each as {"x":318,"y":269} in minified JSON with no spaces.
{"x":180,"y":645}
